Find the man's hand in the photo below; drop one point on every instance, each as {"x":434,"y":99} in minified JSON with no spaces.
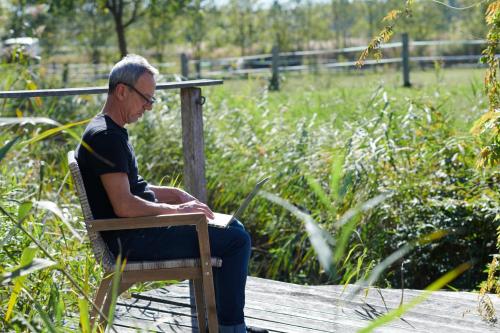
{"x":171,"y":195}
{"x":186,"y":197}
{"x":195,"y":206}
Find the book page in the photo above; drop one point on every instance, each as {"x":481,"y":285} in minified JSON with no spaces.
{"x":220,"y":220}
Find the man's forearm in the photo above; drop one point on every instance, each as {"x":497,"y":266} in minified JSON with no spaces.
{"x":135,"y":206}
{"x":171,"y":195}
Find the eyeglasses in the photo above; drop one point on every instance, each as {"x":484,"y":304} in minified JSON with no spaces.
{"x":149,"y":101}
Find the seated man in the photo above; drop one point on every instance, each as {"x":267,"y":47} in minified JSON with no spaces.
{"x":115,"y":189}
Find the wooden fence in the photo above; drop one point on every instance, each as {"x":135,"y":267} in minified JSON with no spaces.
{"x":192,"y":124}
{"x":404,"y":54}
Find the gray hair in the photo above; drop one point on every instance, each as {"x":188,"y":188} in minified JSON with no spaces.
{"x":128,"y":70}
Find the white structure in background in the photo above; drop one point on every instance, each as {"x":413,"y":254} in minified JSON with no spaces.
{"x":26,"y":45}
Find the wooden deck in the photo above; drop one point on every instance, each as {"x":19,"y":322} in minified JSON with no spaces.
{"x":284,"y":307}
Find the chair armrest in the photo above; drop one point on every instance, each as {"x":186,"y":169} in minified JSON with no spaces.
{"x":147,"y":222}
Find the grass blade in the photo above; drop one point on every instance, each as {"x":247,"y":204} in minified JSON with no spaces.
{"x":56,"y":130}
{"x":361,"y":208}
{"x":84,"y":315}
{"x":26,"y":258}
{"x":320,"y":239}
{"x":45,"y":317}
{"x":23,"y":210}
{"x":35,"y":265}
{"x":120,"y":266}
{"x":436,"y":285}
{"x":6,"y":148}
{"x":52,"y":207}
{"x":27,"y":120}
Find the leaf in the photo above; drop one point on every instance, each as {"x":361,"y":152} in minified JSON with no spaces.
{"x":119,"y":267}
{"x":35,"y":265}
{"x":26,"y":258}
{"x":436,"y":285}
{"x":58,"y":129}
{"x":361,"y":208}
{"x":343,"y":238}
{"x":27,"y":120}
{"x":43,"y":314}
{"x":6,"y":148}
{"x":320,"y":193}
{"x":52,"y":207}
{"x":84,"y":315}
{"x":319,"y":238}
{"x":492,"y":12}
{"x":336,"y":176}
{"x":395,"y":256}
{"x":23,"y":210}
{"x":392,"y":15}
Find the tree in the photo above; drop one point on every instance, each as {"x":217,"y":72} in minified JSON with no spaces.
{"x":279,"y":26}
{"x":342,"y":21}
{"x":161,"y":17}
{"x":93,"y":36}
{"x":119,"y":9}
{"x":241,"y":16}
{"x":196,"y":29}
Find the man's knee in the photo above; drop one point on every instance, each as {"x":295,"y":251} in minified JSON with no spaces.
{"x":247,"y":241}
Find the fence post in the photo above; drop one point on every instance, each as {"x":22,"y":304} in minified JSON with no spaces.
{"x":184,"y":66}
{"x":406,"y":61}
{"x":194,"y":157}
{"x":274,"y":84}
{"x":65,"y":74}
{"x":192,"y":142}
{"x":197,"y":66}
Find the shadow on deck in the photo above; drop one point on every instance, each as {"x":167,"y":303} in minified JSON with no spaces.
{"x":285,"y":307}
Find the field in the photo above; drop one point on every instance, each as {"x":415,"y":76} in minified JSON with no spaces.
{"x":399,"y":162}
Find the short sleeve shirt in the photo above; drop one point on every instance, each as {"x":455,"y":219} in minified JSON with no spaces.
{"x":111,"y":152}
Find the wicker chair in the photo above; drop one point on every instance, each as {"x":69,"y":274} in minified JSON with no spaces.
{"x":135,"y":271}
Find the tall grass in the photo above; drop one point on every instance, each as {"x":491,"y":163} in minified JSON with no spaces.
{"x":330,"y":145}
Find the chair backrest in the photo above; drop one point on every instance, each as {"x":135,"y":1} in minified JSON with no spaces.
{"x":101,"y":252}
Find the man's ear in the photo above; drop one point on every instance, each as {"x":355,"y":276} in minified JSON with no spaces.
{"x":120,"y":92}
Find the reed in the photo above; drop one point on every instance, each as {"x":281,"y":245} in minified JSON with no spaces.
{"x":370,"y":183}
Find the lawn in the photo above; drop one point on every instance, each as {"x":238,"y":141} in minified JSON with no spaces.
{"x":331,"y":143}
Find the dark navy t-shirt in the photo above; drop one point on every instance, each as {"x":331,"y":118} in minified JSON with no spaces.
{"x":112,"y":152}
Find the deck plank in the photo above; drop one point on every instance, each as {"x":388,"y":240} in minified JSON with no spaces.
{"x":283,"y":307}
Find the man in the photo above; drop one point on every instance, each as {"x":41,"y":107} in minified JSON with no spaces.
{"x":115,"y":189}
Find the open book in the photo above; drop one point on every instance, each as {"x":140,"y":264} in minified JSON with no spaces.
{"x":222,"y":220}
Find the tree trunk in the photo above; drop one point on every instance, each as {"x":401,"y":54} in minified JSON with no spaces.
{"x":115,"y":7}
{"x":120,"y":34}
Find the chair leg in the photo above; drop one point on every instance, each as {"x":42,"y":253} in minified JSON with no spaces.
{"x":124,"y":287}
{"x":200,"y":305}
{"x":100,"y":297}
{"x":209,"y":293}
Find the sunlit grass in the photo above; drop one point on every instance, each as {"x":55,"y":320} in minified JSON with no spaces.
{"x":331,"y":143}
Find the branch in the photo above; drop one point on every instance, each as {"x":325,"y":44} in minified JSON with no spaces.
{"x":458,"y":8}
{"x":111,"y":5}
{"x":134,"y":16}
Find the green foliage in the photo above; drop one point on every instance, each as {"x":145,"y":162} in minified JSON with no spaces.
{"x":329,"y":145}
{"x":85,"y":30}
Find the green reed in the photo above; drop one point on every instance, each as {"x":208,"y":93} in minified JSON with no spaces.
{"x":369,"y":168}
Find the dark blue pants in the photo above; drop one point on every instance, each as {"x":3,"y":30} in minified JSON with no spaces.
{"x":232,"y":244}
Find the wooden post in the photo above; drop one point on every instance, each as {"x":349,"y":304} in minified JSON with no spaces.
{"x":194,"y":157}
{"x":192,"y":142}
{"x":184,"y":66}
{"x":406,"y":61}
{"x":274,"y":84}
{"x":65,"y":74}
{"x":197,"y":66}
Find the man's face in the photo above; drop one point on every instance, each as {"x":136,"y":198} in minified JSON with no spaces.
{"x":139,"y":98}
